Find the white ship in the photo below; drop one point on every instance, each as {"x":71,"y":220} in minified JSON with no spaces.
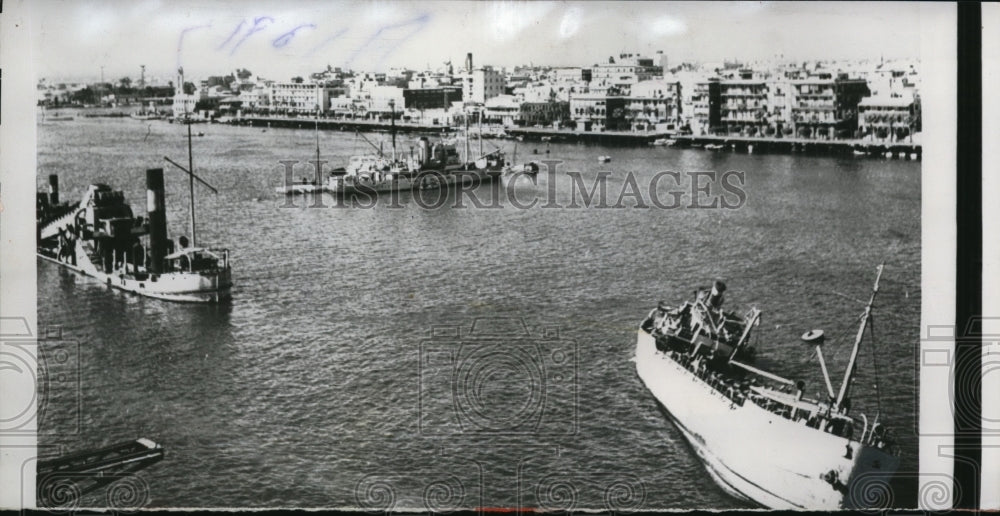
{"x":756,"y":434}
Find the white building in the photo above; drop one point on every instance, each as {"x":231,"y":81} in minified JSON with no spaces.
{"x":299,"y":97}
{"x":481,"y":85}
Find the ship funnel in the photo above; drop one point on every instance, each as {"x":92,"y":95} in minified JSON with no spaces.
{"x":156,"y":211}
{"x":53,"y":189}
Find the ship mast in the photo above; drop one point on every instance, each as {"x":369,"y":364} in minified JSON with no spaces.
{"x":865,"y":317}
{"x":194,"y":241}
{"x":392,"y":121}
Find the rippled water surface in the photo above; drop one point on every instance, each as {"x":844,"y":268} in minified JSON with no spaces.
{"x":326,"y":381}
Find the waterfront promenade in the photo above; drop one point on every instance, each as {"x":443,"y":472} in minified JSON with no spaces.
{"x":766,"y":144}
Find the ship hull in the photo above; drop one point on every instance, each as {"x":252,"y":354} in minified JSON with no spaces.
{"x":757,"y":455}
{"x":174,"y":286}
{"x":428,"y":181}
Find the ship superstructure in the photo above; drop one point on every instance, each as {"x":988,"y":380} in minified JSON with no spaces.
{"x":759,"y":437}
{"x":102,"y":238}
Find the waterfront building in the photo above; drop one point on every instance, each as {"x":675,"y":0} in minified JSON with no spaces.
{"x":825,"y":108}
{"x":743,"y":109}
{"x":299,"y":97}
{"x":707,"y":110}
{"x":503,"y":110}
{"x":184,"y":103}
{"x":888,"y":118}
{"x":779,"y":107}
{"x":598,"y":112}
{"x":654,"y":104}
{"x":549,"y":113}
{"x":431,"y":98}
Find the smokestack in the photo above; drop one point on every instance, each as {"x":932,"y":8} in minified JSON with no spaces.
{"x":53,"y":189}
{"x":156,"y":213}
{"x":468,"y":62}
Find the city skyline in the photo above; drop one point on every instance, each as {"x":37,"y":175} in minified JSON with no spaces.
{"x":80,"y":42}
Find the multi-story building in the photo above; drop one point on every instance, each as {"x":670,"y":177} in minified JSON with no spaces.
{"x":431,"y":98}
{"x":618,"y":76}
{"x":482,"y":84}
{"x":598,"y":112}
{"x":299,"y":97}
{"x":503,"y":110}
{"x":654,"y":104}
{"x":575,"y":74}
{"x":707,"y":116}
{"x":779,"y":107}
{"x":827,"y":108}
{"x":544,"y":113}
{"x":888,"y":118}
{"x":744,"y":107}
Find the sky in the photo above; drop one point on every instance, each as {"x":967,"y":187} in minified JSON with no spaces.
{"x":279,"y":40}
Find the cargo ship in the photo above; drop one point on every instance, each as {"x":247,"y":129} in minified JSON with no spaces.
{"x":758,"y":436}
{"x":102,"y":238}
{"x":426,"y":167}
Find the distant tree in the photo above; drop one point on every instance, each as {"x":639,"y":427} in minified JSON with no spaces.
{"x":189,"y":88}
{"x":298,"y":80}
{"x":125,"y":83}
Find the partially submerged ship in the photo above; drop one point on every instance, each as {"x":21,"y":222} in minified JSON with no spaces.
{"x":102,"y":238}
{"x":757,"y":434}
{"x":428,"y":166}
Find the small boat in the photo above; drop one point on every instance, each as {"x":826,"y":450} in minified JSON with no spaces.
{"x":530,"y":168}
{"x":714,"y":146}
{"x":859,"y":152}
{"x":664,"y":141}
{"x":146,"y":114}
{"x":603,"y":159}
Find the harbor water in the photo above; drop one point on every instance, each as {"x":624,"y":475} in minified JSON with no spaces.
{"x":318,"y":386}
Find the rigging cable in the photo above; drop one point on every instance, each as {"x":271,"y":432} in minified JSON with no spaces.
{"x":878,"y":398}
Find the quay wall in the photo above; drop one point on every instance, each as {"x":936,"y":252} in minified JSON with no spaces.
{"x":776,"y":145}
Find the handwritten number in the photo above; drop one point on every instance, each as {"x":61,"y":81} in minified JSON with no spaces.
{"x":257,"y":27}
{"x":285,"y":38}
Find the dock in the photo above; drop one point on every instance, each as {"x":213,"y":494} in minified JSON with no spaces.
{"x":749,"y":144}
{"x":338,"y":124}
{"x":772,"y":145}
